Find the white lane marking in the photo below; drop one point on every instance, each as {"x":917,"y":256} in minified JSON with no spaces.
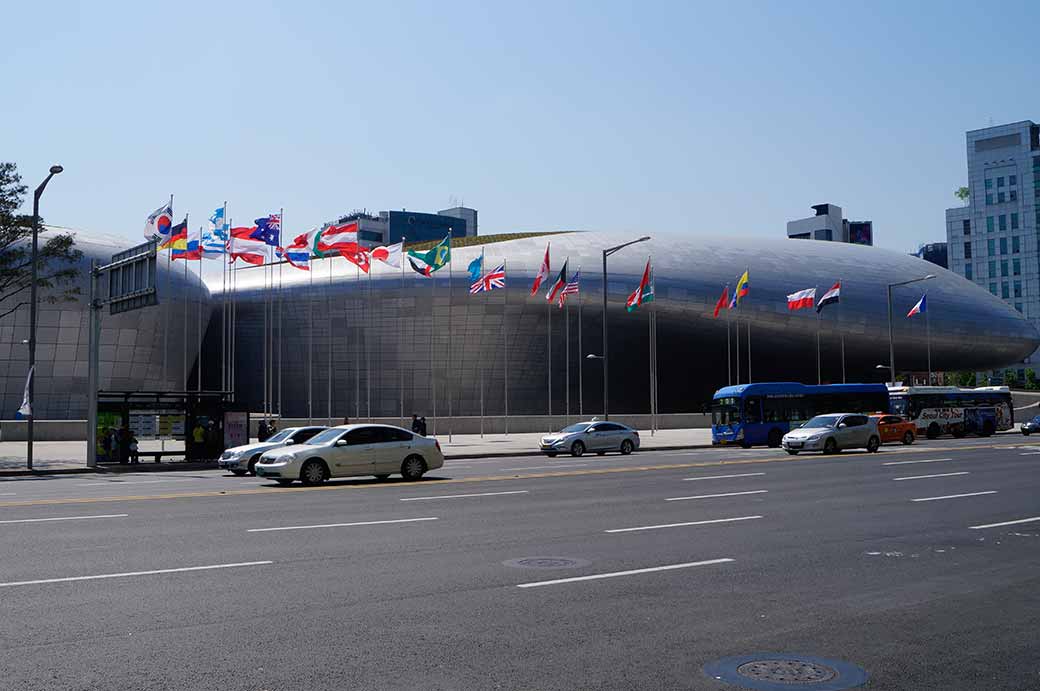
{"x":720,"y":477}
{"x":1001,"y":525}
{"x":543,"y":467}
{"x":956,"y":496}
{"x":338,"y":525}
{"x":461,"y":496}
{"x":7,"y":494}
{"x":925,"y":477}
{"x":713,"y":496}
{"x":135,"y":573}
{"x":927,"y":460}
{"x":66,"y":518}
{"x":1030,"y":453}
{"x":633,"y":572}
{"x":681,"y":525}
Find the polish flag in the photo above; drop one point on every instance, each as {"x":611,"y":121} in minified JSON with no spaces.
{"x":543,"y":272}
{"x":801,"y":300}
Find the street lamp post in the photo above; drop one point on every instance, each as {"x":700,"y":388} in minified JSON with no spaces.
{"x":592,"y":356}
{"x":32,"y":313}
{"x":606,"y":371}
{"x":891,"y":342}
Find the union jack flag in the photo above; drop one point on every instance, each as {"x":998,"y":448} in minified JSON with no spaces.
{"x":490,"y":280}
{"x":571,"y":288}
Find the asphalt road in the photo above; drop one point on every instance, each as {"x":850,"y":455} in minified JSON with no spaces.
{"x":890,"y":561}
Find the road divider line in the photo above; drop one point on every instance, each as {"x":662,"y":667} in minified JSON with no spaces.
{"x":633,"y":572}
{"x":925,"y":460}
{"x":925,"y":477}
{"x":720,"y":477}
{"x":713,"y":496}
{"x":545,"y":467}
{"x":65,"y":518}
{"x":682,"y":525}
{"x":135,"y":573}
{"x":461,"y":496}
{"x":338,"y":525}
{"x":956,"y":496}
{"x":1001,"y":525}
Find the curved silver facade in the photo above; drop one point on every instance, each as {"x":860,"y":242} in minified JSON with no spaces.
{"x":131,"y":348}
{"x":397,"y":342}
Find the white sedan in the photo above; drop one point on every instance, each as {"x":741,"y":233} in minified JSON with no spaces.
{"x":352,"y":450}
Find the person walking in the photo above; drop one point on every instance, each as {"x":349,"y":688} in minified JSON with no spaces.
{"x":124,"y":444}
{"x":422,"y":425}
{"x":416,"y":427}
{"x":346,"y":420}
{"x":262,"y":431}
{"x":134,"y":457}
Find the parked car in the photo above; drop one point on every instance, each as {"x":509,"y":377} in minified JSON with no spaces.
{"x":895,"y":428}
{"x":352,"y":450}
{"x":243,"y":459}
{"x":1030,"y":426}
{"x":833,"y":433}
{"x":597,"y":435}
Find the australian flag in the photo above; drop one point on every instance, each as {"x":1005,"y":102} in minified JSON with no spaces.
{"x":269,"y":230}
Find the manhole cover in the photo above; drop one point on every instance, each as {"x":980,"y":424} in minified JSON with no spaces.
{"x":776,"y":672}
{"x":546,"y":563}
{"x":787,"y":671}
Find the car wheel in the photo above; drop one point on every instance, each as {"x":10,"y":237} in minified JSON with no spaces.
{"x":908,"y":438}
{"x":774,"y":438}
{"x":313,"y":473}
{"x":284,"y":482}
{"x":873,"y":444}
{"x":830,"y":446}
{"x":383,"y":477}
{"x":1025,"y":433}
{"x":792,"y":452}
{"x":626,"y":447}
{"x":933,"y":431}
{"x":238,"y":473}
{"x":252,"y":464}
{"x":413,"y":468}
{"x":577,"y":449}
{"x":551,"y":455}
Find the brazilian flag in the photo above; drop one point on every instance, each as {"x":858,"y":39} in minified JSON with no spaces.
{"x":433,"y":259}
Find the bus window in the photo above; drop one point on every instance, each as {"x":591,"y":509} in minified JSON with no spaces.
{"x":752,"y":410}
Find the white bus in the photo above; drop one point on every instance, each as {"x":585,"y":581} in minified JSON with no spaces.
{"x":938,"y":410}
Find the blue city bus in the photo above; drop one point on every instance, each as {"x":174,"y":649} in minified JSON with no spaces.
{"x":761,"y":414}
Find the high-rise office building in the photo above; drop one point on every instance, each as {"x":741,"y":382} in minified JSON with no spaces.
{"x":828,"y":224}
{"x":993,"y":240}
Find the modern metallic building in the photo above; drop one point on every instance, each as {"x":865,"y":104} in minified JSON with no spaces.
{"x":399,"y":341}
{"x":993,"y":240}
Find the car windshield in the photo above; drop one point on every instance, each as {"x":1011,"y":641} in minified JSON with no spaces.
{"x":822,"y":421}
{"x":283,"y":435}
{"x":580,"y":427}
{"x":325,"y":437}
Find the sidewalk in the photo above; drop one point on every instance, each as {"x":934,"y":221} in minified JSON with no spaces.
{"x":56,"y":457}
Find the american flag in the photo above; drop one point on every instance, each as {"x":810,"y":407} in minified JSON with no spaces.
{"x":490,"y":280}
{"x":571,"y":288}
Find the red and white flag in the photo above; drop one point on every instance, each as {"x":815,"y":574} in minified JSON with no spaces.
{"x":242,"y":245}
{"x":803,"y":299}
{"x":391,"y":254}
{"x":334,"y":238}
{"x":543,"y":272}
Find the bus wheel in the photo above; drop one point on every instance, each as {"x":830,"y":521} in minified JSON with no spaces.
{"x":958,"y":433}
{"x":745,"y":445}
{"x":774,"y":438}
{"x":933,"y":431}
{"x":988,"y":428}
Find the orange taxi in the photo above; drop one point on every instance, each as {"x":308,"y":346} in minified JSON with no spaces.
{"x":895,"y":428}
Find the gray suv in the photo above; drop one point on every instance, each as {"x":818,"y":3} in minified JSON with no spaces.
{"x":598,"y":435}
{"x":833,"y":433}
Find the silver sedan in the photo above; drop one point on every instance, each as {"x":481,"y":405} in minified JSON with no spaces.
{"x":597,"y":435}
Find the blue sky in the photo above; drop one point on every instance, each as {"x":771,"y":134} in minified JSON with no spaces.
{"x":677,"y":118}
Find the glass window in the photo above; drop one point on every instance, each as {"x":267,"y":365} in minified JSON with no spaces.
{"x":967,"y":250}
{"x":752,"y":410}
{"x":991,"y":247}
{"x":993,"y":288}
{"x":989,"y":199}
{"x":1014,"y":221}
{"x":1003,"y":245}
{"x":326,"y":437}
{"x":989,"y":224}
{"x":305,"y":434}
{"x":363,"y":435}
{"x":1016,"y":267}
{"x":1018,"y":306}
{"x":1015,"y":247}
{"x":968,"y":272}
{"x":1012,"y":180}
{"x":1000,"y":181}
{"x":1002,"y":221}
{"x":281,"y":436}
{"x":1013,"y":196}
{"x":966,"y":225}
{"x":992,"y":268}
{"x":989,"y":183}
{"x":1018,"y":289}
{"x":1005,"y":291}
{"x":1001,"y":198}
{"x":1004,"y":268}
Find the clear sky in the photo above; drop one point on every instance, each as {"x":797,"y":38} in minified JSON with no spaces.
{"x":681,"y":118}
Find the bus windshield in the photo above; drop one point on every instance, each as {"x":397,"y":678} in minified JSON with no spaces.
{"x":725,"y":411}
{"x":898,"y":405}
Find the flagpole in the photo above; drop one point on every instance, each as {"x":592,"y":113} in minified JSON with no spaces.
{"x":482,"y":271}
{"x":928,"y":339}
{"x":368,"y":357}
{"x":567,"y":362}
{"x":202,"y":283}
{"x":166,"y":311}
{"x":233,"y":315}
{"x":310,"y":336}
{"x":505,"y":349}
{"x":267,"y":348}
{"x":581,"y":357}
{"x":650,"y":358}
{"x":281,"y":264}
{"x":433,"y":359}
{"x":400,"y":364}
{"x":548,"y":359}
{"x":749,"y":380}
{"x":737,"y":327}
{"x":451,"y":343}
{"x":357,"y":342}
{"x":842,"y":333}
{"x":184,"y":343}
{"x":328,"y":369}
{"x":729,"y":345}
{"x":819,"y":319}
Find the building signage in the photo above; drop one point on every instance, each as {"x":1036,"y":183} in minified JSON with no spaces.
{"x":236,"y":429}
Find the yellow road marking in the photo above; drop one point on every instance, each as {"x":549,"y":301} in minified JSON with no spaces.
{"x":486,"y":478}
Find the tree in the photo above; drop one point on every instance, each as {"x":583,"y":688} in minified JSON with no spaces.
{"x":58,"y":257}
{"x":963,"y":194}
{"x":1009,"y":377}
{"x":965,"y":379}
{"x":1031,"y":382}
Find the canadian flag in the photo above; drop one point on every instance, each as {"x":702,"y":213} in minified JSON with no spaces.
{"x":543,"y":272}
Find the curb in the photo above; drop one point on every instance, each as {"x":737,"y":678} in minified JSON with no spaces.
{"x":47,"y":471}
